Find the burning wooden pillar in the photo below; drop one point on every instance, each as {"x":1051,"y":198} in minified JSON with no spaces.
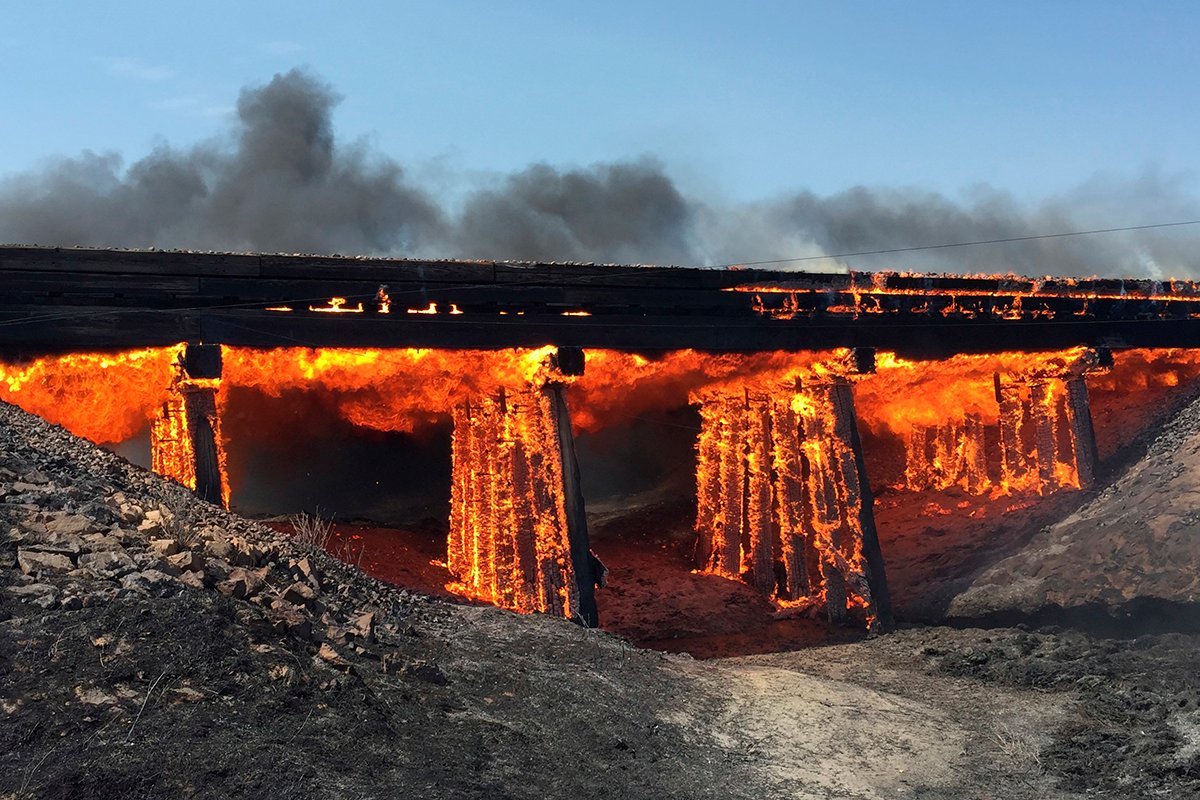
{"x":518,"y":531}
{"x":946,"y":455}
{"x":1046,"y":433}
{"x":1014,"y":460}
{"x":185,"y":438}
{"x":782,"y":498}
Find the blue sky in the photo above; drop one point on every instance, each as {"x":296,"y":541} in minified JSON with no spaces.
{"x":742,"y":100}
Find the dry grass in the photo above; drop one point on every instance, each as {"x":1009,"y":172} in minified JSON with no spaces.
{"x":311,"y":531}
{"x":178,"y":519}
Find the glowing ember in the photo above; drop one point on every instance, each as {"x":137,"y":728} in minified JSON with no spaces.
{"x":337,"y":305}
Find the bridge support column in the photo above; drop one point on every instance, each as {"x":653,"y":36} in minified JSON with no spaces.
{"x":518,"y":530}
{"x":1046,"y":435}
{"x":783,"y":498}
{"x":185,"y":437}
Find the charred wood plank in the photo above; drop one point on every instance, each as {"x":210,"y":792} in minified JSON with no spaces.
{"x":876,"y":576}
{"x":577,"y":532}
{"x":1044,"y":415}
{"x":1083,"y":435}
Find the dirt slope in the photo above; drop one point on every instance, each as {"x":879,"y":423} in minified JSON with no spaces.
{"x":240,"y":666}
{"x":1138,"y":540}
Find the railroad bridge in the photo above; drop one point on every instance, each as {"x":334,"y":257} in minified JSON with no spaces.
{"x":783,"y":499}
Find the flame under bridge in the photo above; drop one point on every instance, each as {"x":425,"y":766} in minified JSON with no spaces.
{"x":783,"y":499}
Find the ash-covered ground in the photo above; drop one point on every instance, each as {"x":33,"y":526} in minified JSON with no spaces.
{"x":154,"y":646}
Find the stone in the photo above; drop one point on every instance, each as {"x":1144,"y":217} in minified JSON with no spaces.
{"x":70,"y":524}
{"x":337,"y":634}
{"x":299,"y":593}
{"x":152,"y":524}
{"x":219,"y":547}
{"x":254,"y":580}
{"x":187,"y":561}
{"x":67,"y":543}
{"x":32,"y":590}
{"x":95,"y":697}
{"x":97,"y":542}
{"x":33,"y":561}
{"x":195,"y":580}
{"x":244,"y":554}
{"x":331,"y":656}
{"x":107,"y":563}
{"x":185,"y":694}
{"x":363,"y":626}
{"x":425,"y":671}
{"x":165,"y":547}
{"x":305,"y":570}
{"x":233,"y":587}
{"x":151,"y":581}
{"x":397,"y":663}
{"x":289,"y":618}
{"x":36,"y":476}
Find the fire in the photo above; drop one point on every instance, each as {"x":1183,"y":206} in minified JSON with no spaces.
{"x":337,"y":305}
{"x":959,"y":415}
{"x":1006,"y":297}
{"x":107,"y":398}
{"x":778,"y":486}
{"x":190,"y":405}
{"x":508,"y":540}
{"x":780,"y":497}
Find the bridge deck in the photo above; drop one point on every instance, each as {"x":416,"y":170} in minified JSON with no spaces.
{"x":54,"y":300}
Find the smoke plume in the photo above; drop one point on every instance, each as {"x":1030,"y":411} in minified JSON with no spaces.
{"x":281,"y":181}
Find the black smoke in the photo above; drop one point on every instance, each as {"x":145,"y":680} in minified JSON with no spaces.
{"x":281,"y":181}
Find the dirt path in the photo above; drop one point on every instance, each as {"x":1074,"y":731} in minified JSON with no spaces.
{"x":841,"y":722}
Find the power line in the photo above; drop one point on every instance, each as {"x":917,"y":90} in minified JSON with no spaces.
{"x":955,"y":244}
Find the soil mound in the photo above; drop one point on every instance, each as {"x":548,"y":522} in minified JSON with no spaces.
{"x":1136,"y":542}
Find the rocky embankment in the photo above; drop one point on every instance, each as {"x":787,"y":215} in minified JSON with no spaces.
{"x":152,"y":645}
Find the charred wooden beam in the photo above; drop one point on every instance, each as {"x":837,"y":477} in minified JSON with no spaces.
{"x":876,"y":576}
{"x":577,"y":531}
{"x":203,"y":362}
{"x":761,"y":528}
{"x":61,"y":300}
{"x":781,"y":485}
{"x":510,"y":540}
{"x":1014,"y":462}
{"x":185,"y":437}
{"x":1083,"y":435}
{"x":1046,"y":442}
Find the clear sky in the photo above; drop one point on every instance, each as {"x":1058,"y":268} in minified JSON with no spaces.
{"x":746,"y":99}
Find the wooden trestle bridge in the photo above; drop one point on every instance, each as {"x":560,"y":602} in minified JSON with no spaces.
{"x":55,"y":300}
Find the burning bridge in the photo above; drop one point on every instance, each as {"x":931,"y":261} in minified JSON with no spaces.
{"x":790,"y":374}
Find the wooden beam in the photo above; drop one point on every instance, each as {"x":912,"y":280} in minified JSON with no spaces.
{"x":577,"y":532}
{"x":204,"y":362}
{"x":1083,"y":435}
{"x":876,"y":575}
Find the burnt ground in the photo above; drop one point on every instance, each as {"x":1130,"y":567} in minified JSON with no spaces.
{"x":213,"y":657}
